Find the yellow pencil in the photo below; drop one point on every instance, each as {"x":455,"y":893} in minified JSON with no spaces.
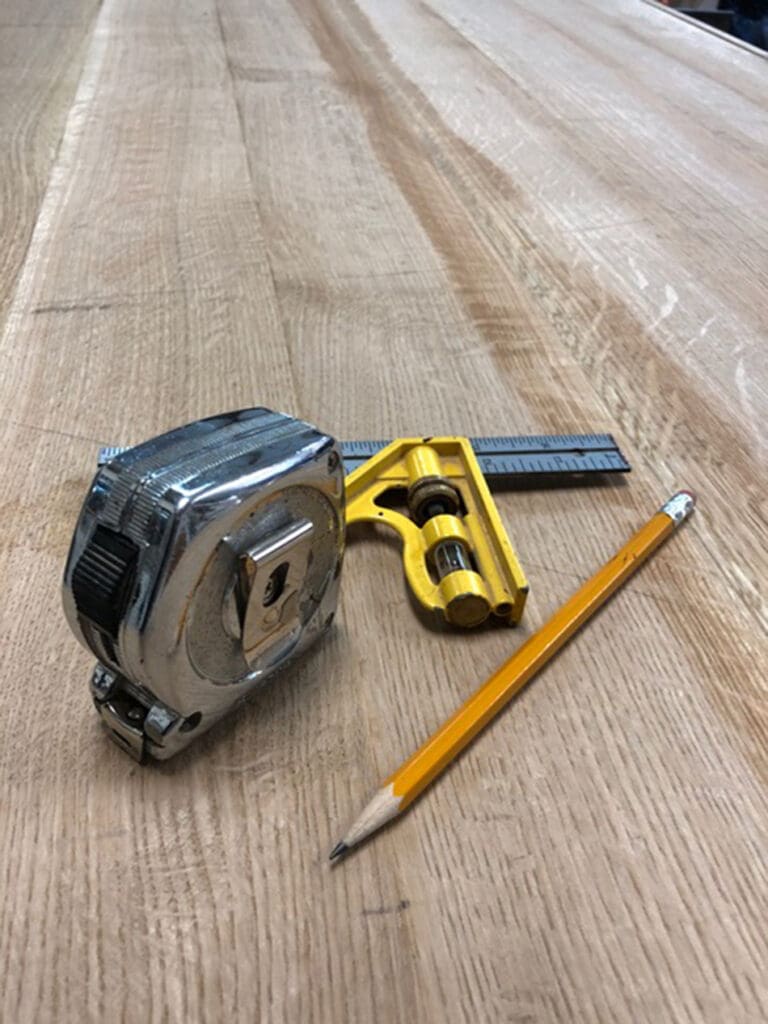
{"x":404,"y":785}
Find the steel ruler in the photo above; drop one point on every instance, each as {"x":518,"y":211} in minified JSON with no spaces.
{"x":508,"y":456}
{"x":517,"y":455}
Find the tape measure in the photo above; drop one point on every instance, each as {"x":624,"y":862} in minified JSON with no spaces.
{"x":202,"y":562}
{"x":521,"y":455}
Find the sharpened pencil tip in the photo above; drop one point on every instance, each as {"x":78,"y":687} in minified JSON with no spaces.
{"x":339,"y":850}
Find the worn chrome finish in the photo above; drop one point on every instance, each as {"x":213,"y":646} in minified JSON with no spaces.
{"x":203,"y":560}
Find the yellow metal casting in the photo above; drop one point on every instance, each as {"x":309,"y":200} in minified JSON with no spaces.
{"x":457,"y":556}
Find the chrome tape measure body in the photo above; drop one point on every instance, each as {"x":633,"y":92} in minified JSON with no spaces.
{"x":202,"y":561}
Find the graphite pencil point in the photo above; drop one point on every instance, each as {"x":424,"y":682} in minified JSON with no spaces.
{"x":339,"y":850}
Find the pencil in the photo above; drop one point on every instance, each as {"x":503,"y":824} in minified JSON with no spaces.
{"x":411,"y":779}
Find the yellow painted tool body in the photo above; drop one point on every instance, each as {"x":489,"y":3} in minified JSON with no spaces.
{"x":457,"y":556}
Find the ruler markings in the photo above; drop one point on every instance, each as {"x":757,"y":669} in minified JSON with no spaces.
{"x":500,"y":445}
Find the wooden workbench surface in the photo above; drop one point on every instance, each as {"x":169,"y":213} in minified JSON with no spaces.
{"x":394,"y":218}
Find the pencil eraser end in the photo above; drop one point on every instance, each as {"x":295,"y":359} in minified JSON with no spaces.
{"x":679,"y":506}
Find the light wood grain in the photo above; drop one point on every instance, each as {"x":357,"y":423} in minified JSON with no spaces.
{"x":41,"y":52}
{"x":395,"y":218}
